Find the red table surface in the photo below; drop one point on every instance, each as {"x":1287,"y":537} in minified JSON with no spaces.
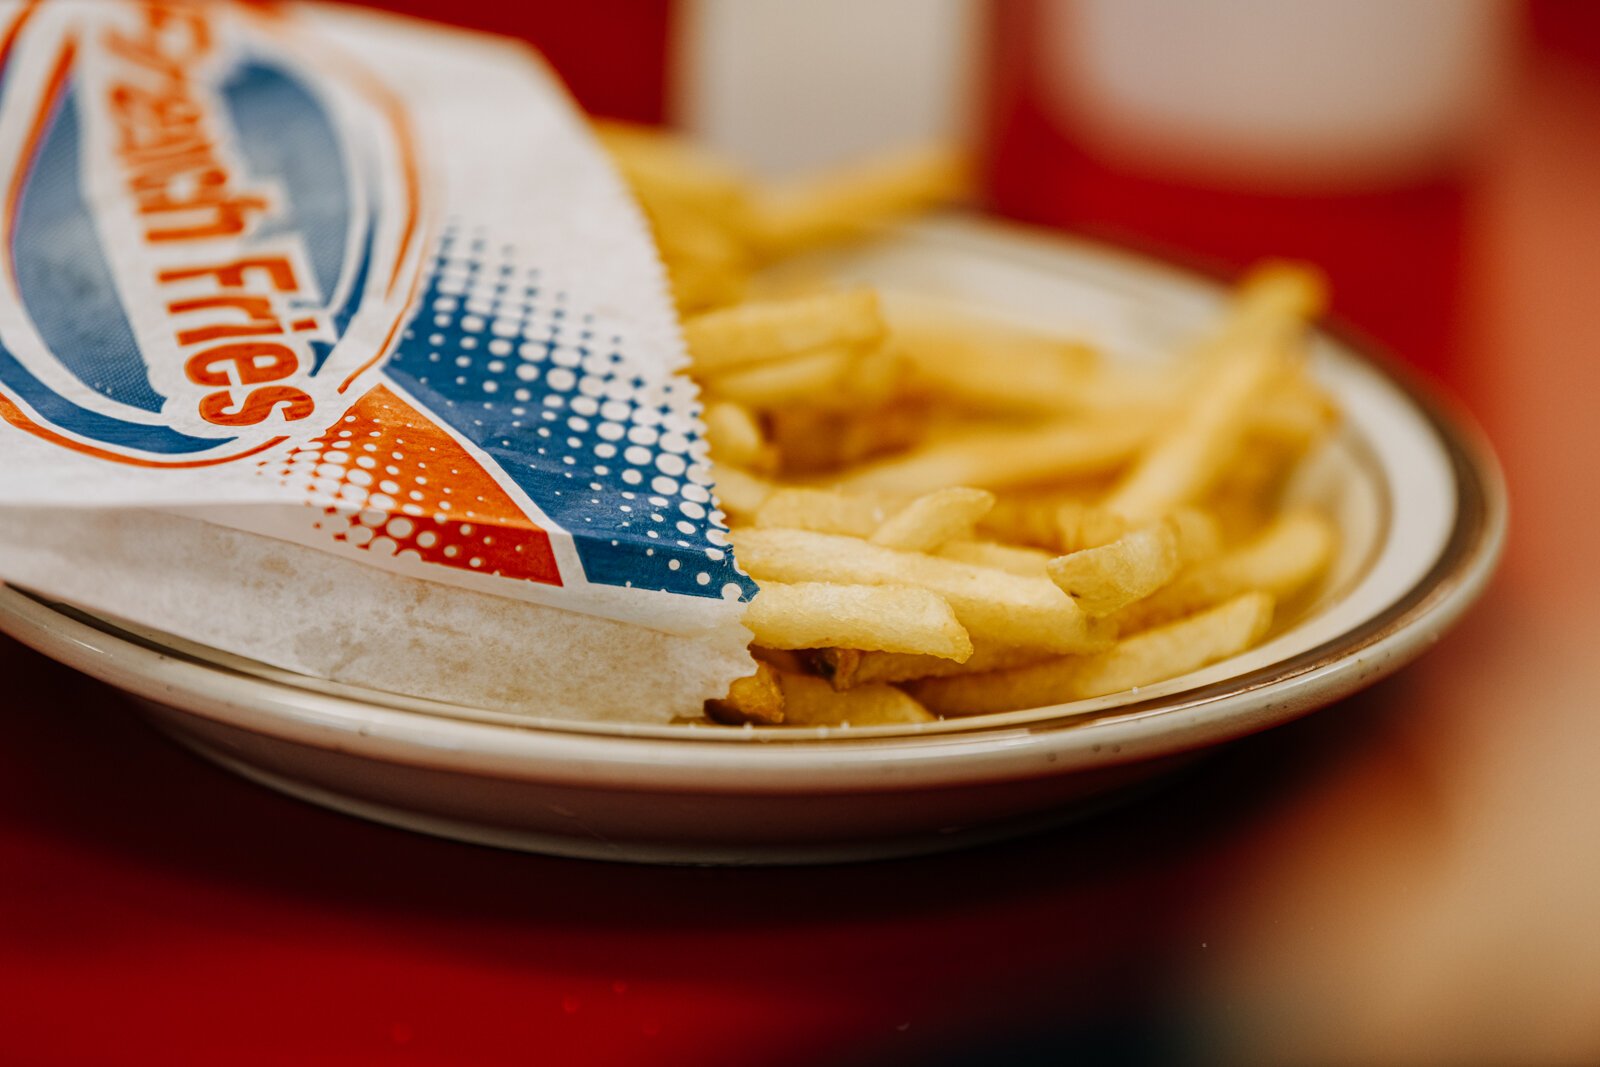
{"x":1409,"y":876}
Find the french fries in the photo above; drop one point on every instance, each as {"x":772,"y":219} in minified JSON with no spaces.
{"x":948,"y":514}
{"x":741,"y":494}
{"x":934,"y":518}
{"x":1282,"y":560}
{"x":884,"y":618}
{"x":1110,"y":576}
{"x":756,"y":698}
{"x":771,"y":385}
{"x":810,"y":701}
{"x":841,"y":204}
{"x":1013,"y":559}
{"x":1101,"y":580}
{"x":996,"y":459}
{"x":770,"y":331}
{"x":826,"y":511}
{"x":1140,"y":660}
{"x":736,"y":438}
{"x":849,"y":667}
{"x":1249,"y":353}
{"x":952,"y":356}
{"x":993,"y":605}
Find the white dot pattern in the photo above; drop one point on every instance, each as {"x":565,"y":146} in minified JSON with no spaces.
{"x":582,"y":425}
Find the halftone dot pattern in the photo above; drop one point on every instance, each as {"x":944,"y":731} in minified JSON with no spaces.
{"x":599,"y":439}
{"x":401,"y":486}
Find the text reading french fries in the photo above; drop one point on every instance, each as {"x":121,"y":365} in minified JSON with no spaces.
{"x":948,"y":515}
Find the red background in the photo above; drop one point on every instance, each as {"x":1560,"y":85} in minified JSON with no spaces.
{"x":154,"y":909}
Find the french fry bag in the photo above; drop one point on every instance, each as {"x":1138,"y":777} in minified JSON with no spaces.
{"x":329,"y":339}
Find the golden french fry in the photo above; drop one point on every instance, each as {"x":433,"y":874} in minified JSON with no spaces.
{"x":991,"y":365}
{"x":1197,"y":532}
{"x":1111,"y":576}
{"x":811,"y":701}
{"x":887,"y":618}
{"x":671,"y":168}
{"x":1285,"y":558}
{"x":1013,"y":559}
{"x":761,"y":332}
{"x":1101,"y":580}
{"x":690,"y":234}
{"x":1273,"y":300}
{"x":811,"y":440}
{"x":698,"y":285}
{"x":934,"y":518}
{"x":739,"y":493}
{"x":837,"y":205}
{"x":1144,"y":659}
{"x":1135,"y":473}
{"x":707,"y":264}
{"x":756,"y":698}
{"x":873,"y":380}
{"x":1081,"y":525}
{"x":992,"y":605}
{"x":783,"y":659}
{"x":788,"y":381}
{"x":826,"y":511}
{"x":1002,"y":458}
{"x":1248,"y":354}
{"x":1190,"y":457}
{"x":848,"y":667}
{"x":1293,"y":414}
{"x":1032,"y":517}
{"x":736,"y":438}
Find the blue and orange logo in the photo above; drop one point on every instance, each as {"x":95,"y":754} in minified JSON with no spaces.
{"x":198,"y":253}
{"x":218,"y":250}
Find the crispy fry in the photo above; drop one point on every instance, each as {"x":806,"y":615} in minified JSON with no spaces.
{"x":761,"y":332}
{"x":969,"y":462}
{"x":993,"y":606}
{"x":1101,"y":580}
{"x":1032,"y":517}
{"x":840,"y":204}
{"x":788,"y":381}
{"x":736,"y":438}
{"x":783,"y":659}
{"x":1285,"y":558}
{"x":826,"y":511}
{"x":1013,"y":559}
{"x":1141,"y":660}
{"x":1002,"y":458}
{"x":698,"y":284}
{"x":934,"y":518}
{"x":1081,"y":525}
{"x":1109,"y":576}
{"x":740,"y":493}
{"x":888,"y":618}
{"x":848,"y":667}
{"x":872,"y":380}
{"x":1191,"y":455}
{"x":755,"y":698}
{"x":811,"y":701}
{"x":811,"y":440}
{"x":1198,"y":534}
{"x":990,"y":365}
{"x":673,"y":169}
{"x":1293,"y":414}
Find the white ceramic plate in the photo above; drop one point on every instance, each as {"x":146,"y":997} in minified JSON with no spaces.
{"x":1416,"y":492}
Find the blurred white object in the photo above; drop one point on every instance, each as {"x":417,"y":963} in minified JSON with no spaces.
{"x":785,"y":86}
{"x":1284,"y":92}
